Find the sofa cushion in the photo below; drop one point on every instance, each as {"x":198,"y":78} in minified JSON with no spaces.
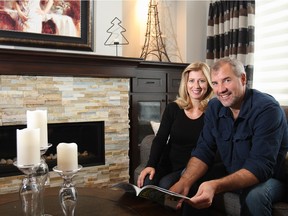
{"x":227,"y":203}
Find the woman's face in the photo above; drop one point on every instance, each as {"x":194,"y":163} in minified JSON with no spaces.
{"x":197,"y":85}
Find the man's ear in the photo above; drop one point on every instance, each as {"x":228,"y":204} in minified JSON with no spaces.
{"x":243,"y":79}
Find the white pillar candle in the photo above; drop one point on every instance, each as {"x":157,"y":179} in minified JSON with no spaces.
{"x":67,"y":156}
{"x":38,"y":119}
{"x":28,"y":146}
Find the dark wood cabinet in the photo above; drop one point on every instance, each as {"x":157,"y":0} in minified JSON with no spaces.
{"x":151,"y":90}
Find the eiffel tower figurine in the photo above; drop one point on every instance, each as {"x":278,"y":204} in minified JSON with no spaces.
{"x":153,"y":38}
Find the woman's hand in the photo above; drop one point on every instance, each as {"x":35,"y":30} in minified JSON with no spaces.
{"x":147,"y":171}
{"x":181,"y":188}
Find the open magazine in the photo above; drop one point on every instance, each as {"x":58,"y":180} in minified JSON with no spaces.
{"x":154,"y":193}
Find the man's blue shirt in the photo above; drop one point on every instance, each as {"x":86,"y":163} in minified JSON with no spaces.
{"x":257,"y":140}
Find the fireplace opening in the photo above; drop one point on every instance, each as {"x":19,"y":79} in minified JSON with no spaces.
{"x":89,"y":137}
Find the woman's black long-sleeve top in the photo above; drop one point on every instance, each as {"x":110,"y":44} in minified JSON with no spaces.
{"x":181,"y":133}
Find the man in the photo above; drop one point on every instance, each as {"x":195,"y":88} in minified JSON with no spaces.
{"x":249,"y":130}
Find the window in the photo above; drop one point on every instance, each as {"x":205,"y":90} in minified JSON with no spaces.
{"x":271,"y":48}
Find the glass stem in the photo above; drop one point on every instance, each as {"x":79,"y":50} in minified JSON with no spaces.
{"x":30,"y":196}
{"x":68,"y":196}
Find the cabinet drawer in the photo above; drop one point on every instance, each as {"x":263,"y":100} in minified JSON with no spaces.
{"x":149,"y":82}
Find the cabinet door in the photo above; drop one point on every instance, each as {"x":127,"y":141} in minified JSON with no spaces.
{"x":144,"y":108}
{"x":171,"y":97}
{"x":173,"y":82}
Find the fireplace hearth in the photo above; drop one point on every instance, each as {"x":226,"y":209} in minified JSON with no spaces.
{"x":89,"y":136}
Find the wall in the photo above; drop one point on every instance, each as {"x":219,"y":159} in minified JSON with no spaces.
{"x":197,"y":19}
{"x":105,"y":12}
{"x":69,"y":99}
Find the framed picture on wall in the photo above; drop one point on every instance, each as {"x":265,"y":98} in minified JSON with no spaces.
{"x":56,"y":24}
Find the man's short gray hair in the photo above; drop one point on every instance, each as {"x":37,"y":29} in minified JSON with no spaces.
{"x":237,"y":66}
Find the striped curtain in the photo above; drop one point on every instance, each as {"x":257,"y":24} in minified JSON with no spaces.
{"x":230,"y":32}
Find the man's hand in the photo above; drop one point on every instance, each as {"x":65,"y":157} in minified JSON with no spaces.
{"x":207,"y":190}
{"x":147,"y":171}
{"x":202,"y":199}
{"x":204,"y":196}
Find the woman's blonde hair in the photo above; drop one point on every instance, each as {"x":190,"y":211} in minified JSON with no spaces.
{"x":183,"y":98}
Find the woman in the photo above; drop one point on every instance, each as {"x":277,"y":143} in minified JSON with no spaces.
{"x":180,"y":127}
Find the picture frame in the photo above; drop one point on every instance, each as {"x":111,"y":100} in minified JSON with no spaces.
{"x":63,"y":35}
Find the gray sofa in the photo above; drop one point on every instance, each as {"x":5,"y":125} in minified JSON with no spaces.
{"x":224,"y":204}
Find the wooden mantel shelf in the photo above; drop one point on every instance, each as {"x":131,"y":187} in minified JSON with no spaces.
{"x":45,"y":63}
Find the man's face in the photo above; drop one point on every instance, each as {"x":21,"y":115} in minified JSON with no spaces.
{"x":228,"y":88}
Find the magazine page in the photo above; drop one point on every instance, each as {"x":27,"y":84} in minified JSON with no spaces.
{"x":171,"y":193}
{"x":128,"y":187}
{"x":154,"y":193}
{"x":161,"y":196}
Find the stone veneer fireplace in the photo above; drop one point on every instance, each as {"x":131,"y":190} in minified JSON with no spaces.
{"x":73,"y":99}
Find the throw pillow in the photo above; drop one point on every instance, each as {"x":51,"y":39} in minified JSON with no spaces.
{"x":155,"y":126}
